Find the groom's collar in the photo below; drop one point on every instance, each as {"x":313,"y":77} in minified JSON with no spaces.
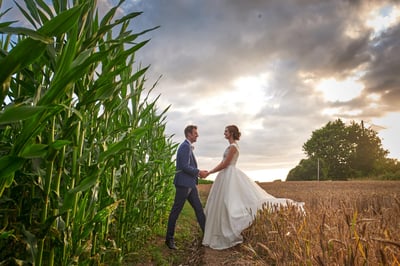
{"x":191,"y":145}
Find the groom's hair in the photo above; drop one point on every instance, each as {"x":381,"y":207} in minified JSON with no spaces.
{"x":189,"y":129}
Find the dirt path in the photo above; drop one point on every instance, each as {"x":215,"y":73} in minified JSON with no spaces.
{"x":197,"y":254}
{"x":208,"y":256}
{"x":232,"y":256}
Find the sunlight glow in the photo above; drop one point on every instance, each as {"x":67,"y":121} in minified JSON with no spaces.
{"x":341,"y":112}
{"x":266,"y":175}
{"x":248,"y":95}
{"x":250,"y":92}
{"x":389,"y":133}
{"x":373,"y":105}
{"x":342,"y":91}
{"x":374,"y":97}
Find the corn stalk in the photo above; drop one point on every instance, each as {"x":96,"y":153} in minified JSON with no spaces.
{"x":85,"y":165}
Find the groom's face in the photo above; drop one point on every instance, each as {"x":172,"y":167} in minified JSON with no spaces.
{"x":192,"y":137}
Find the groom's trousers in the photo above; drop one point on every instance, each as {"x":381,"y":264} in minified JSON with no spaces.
{"x":182,"y":194}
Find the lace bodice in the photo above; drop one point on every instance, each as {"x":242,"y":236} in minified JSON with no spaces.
{"x":235,"y":156}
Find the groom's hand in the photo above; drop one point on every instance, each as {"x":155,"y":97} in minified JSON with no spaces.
{"x":203,"y":173}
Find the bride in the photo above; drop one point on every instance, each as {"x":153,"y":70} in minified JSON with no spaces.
{"x":234,"y":199}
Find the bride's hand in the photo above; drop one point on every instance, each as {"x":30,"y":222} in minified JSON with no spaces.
{"x":203,"y":173}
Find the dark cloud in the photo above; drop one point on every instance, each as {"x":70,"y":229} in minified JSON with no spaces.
{"x":382,"y":75}
{"x":223,"y":40}
{"x":202,"y":47}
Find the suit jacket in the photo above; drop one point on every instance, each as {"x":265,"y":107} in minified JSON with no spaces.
{"x":186,"y":166}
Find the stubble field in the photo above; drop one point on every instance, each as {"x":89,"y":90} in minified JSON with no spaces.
{"x":346,"y":223}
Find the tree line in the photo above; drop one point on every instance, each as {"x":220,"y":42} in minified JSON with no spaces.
{"x":340,"y":152}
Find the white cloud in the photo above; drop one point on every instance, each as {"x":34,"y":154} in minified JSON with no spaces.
{"x":340,"y":90}
{"x":382,"y":18}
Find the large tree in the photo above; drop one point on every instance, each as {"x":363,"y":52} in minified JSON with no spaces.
{"x":367,"y":151}
{"x":346,"y":151}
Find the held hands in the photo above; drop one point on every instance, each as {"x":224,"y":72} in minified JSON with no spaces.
{"x":203,"y":173}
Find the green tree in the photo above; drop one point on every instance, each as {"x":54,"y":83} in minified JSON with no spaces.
{"x":347,"y":151}
{"x":367,"y":149}
{"x":387,"y":169}
{"x":331,"y":144}
{"x":308,"y":169}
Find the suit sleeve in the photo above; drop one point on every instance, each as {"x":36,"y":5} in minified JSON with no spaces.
{"x":183,"y":161}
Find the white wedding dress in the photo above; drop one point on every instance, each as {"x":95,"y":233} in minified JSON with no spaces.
{"x":232,"y":204}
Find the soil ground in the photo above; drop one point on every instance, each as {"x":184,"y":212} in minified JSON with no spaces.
{"x":211,"y":257}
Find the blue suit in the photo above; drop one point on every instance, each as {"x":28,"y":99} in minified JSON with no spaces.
{"x":185,"y":181}
{"x":186,"y":166}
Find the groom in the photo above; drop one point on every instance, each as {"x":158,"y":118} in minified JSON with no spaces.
{"x":186,"y":179}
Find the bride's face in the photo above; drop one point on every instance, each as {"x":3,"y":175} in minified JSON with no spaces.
{"x":227,"y":134}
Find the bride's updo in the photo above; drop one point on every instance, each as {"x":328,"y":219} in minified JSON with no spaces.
{"x":234,"y":130}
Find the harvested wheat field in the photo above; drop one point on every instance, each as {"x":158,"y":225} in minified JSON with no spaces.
{"x":346,"y":223}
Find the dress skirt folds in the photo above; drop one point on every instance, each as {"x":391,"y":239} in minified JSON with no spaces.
{"x":232,"y":204}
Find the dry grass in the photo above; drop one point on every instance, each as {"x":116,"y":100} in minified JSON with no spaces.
{"x":346,"y":223}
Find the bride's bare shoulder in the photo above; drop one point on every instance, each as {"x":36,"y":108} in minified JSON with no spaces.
{"x":235,"y":145}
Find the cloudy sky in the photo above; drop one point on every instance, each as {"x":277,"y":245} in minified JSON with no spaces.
{"x":279,"y":69}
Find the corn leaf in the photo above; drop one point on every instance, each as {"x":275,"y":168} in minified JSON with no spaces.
{"x":59,"y":144}
{"x":19,"y":113}
{"x":34,"y":151}
{"x":27,"y":32}
{"x":85,"y":184}
{"x":8,"y":165}
{"x":22,"y":55}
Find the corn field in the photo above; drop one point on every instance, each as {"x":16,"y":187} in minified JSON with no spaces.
{"x":85,"y":166}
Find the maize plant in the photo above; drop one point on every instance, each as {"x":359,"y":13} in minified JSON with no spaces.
{"x":85,"y":165}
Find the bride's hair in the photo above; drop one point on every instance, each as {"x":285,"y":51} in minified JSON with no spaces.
{"x":234,"y":130}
